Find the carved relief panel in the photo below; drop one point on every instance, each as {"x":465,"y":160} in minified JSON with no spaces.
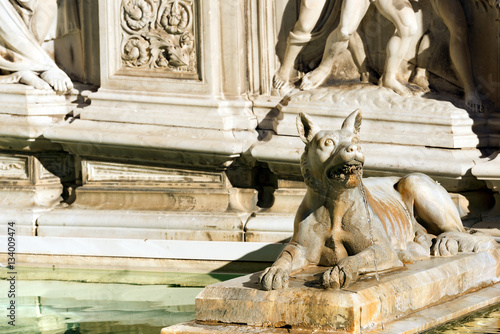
{"x":160,"y":36}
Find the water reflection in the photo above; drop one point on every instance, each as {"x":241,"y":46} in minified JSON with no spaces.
{"x":61,"y":307}
{"x":71,"y":307}
{"x":486,"y":321}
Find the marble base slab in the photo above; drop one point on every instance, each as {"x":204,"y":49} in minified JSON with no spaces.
{"x":181,"y":147}
{"x":96,"y":247}
{"x":365,"y":305}
{"x":165,"y":109}
{"x":25,"y":100}
{"x":151,"y":225}
{"x":387,"y":117}
{"x":416,"y":323}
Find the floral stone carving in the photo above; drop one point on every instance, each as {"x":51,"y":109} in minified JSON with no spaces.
{"x":159,"y":34}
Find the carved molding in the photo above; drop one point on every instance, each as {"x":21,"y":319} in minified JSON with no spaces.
{"x":13,"y":168}
{"x":106,"y":172}
{"x":40,"y":170}
{"x":5,"y":166}
{"x":160,"y":35}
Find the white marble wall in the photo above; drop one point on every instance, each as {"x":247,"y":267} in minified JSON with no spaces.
{"x":174,"y":133}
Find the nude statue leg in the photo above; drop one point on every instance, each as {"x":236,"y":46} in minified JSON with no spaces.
{"x":423,"y":58}
{"x":351,"y":15}
{"x":401,"y":14}
{"x":357,"y":49}
{"x":452,"y":14}
{"x":44,"y":14}
{"x":310,"y":11}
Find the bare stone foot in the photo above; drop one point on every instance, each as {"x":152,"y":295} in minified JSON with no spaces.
{"x":32,"y":79}
{"x":473,"y":102}
{"x":286,"y":88}
{"x":422,"y":82}
{"x":313,"y":79}
{"x":295,"y":76}
{"x":281,"y":77}
{"x":395,"y":85}
{"x":58,"y":80}
{"x":365,"y":77}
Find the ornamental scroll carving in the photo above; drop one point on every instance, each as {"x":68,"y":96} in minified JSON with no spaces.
{"x":159,"y":34}
{"x":9,"y":166}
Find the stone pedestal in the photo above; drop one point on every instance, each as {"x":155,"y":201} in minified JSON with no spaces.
{"x":366,"y":305}
{"x":489,"y":171}
{"x":33,"y":171}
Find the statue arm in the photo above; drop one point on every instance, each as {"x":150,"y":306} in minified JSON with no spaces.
{"x":17,"y":38}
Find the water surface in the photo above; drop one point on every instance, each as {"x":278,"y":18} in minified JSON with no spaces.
{"x":73,"y":307}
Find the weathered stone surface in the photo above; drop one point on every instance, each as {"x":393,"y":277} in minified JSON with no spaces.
{"x":116,"y":224}
{"x":415,"y":323}
{"x":25,"y":100}
{"x":364,"y":305}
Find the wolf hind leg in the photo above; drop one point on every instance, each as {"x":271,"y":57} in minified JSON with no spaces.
{"x":429,"y":201}
{"x":438,"y":214}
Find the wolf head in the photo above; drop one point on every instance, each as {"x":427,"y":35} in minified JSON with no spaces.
{"x":331,"y":158}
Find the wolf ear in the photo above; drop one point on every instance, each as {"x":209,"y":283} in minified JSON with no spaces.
{"x":306,"y":128}
{"x":353,"y":121}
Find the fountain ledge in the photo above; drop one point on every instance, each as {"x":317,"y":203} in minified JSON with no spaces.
{"x":422,"y":295}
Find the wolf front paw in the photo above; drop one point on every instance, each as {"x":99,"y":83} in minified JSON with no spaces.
{"x":274,"y":278}
{"x":338,"y":277}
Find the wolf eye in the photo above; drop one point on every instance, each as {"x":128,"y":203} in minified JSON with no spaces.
{"x":355,"y":140}
{"x":329,"y":142}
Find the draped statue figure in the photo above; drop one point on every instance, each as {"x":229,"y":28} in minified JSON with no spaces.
{"x":24,"y":25}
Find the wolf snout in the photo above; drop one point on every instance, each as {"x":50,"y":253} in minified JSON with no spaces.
{"x":352,"y":152}
{"x":353,"y":148}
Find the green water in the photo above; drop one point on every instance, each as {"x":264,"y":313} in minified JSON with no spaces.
{"x":141,"y":303}
{"x":73,"y":307}
{"x":58,"y":300}
{"x":480,"y":322}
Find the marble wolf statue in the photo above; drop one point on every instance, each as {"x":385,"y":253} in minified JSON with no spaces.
{"x":357,"y":226}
